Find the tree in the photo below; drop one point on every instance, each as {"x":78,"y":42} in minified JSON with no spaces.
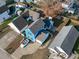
{"x":51,"y":7}
{"x":9,"y":2}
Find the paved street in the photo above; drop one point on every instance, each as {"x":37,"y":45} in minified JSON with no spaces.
{"x":7,"y":39}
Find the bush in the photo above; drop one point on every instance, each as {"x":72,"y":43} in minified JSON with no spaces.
{"x":9,"y":2}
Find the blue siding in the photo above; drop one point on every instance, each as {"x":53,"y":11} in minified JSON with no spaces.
{"x":30,"y":35}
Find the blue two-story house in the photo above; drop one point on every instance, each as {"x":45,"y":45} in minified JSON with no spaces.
{"x":38,"y":27}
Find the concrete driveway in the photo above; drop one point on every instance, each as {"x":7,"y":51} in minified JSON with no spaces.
{"x":4,"y":54}
{"x":30,"y":49}
{"x":7,"y":39}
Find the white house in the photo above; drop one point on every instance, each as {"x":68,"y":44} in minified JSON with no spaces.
{"x":4,"y":13}
{"x":68,"y":6}
{"x":2,"y":2}
{"x":64,"y":42}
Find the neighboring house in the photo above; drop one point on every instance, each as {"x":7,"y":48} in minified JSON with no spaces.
{"x":21,"y":22}
{"x":32,"y":29}
{"x":18,"y":25}
{"x":19,"y":0}
{"x":68,"y":6}
{"x":32,"y":26}
{"x":42,"y":36}
{"x":39,"y":30}
{"x":37,"y":1}
{"x":24,"y":1}
{"x":2,"y":2}
{"x":29,"y":1}
{"x":4,"y":13}
{"x":35,"y":15}
{"x":20,"y":5}
{"x":64,"y":42}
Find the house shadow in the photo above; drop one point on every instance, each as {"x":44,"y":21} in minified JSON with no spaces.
{"x":76,"y":47}
{"x":77,"y":27}
{"x":57,"y":21}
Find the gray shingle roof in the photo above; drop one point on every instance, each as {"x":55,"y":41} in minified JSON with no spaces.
{"x":3,"y":9}
{"x":65,"y":39}
{"x":35,"y":26}
{"x":20,"y":23}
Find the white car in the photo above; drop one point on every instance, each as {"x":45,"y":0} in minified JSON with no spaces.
{"x":24,"y":43}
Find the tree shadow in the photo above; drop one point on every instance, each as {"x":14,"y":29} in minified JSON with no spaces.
{"x":76,"y":46}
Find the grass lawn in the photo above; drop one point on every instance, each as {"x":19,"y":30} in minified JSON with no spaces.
{"x":76,"y":46}
{"x":6,"y":22}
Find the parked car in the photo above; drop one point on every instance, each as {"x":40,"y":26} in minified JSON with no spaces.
{"x":24,"y":43}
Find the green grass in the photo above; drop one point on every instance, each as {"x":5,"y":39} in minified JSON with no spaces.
{"x":6,"y":22}
{"x":76,"y":46}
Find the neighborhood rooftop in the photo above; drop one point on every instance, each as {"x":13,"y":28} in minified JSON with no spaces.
{"x":20,"y":23}
{"x":65,"y":39}
{"x":3,"y":9}
{"x":35,"y":26}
